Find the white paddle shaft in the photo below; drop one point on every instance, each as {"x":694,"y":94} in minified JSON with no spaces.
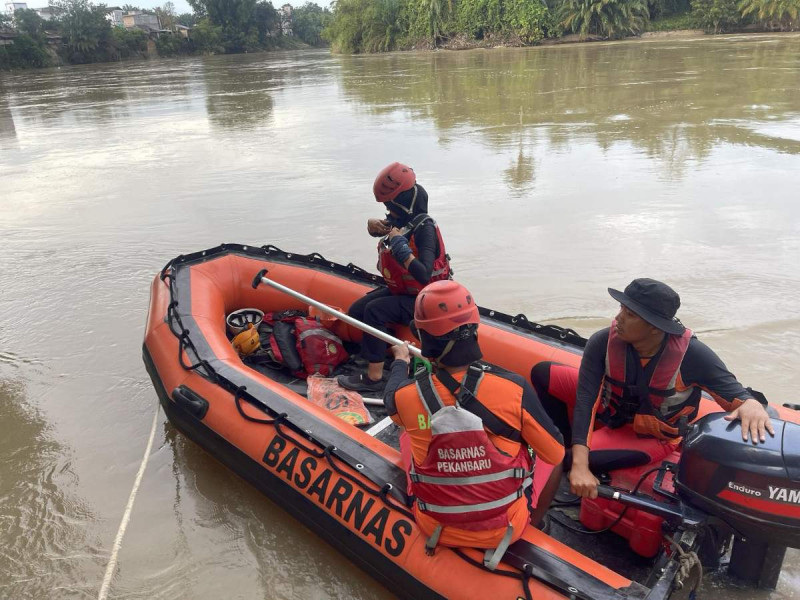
{"x":389,"y":339}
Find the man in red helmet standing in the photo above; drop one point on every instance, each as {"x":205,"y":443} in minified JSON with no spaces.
{"x":467,"y":433}
{"x":411,"y":254}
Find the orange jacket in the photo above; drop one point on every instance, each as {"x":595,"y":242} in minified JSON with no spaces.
{"x":509,"y":398}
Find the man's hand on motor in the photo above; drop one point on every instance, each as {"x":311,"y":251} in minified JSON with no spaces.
{"x":378,"y":227}
{"x":582,"y":483}
{"x":755,"y":420}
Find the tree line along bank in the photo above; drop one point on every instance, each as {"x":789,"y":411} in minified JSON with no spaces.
{"x":80,"y":32}
{"x":385,"y":25}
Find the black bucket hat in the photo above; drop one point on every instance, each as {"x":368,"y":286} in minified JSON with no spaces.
{"x":653,"y":301}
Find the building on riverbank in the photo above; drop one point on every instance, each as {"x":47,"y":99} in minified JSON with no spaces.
{"x":8,"y":36}
{"x":114,"y":16}
{"x":14,"y":6}
{"x":285,"y":14}
{"x":48,"y":13}
{"x":139,"y":20}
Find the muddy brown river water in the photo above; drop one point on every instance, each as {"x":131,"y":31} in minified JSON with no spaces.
{"x":554,"y":173}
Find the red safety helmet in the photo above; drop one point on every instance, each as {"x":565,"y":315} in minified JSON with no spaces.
{"x":392,"y":181}
{"x":444,"y":307}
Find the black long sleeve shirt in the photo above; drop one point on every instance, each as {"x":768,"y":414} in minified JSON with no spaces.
{"x":426,"y":241}
{"x":701,"y":369}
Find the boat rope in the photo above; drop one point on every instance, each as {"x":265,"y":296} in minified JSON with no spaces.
{"x":326,"y":453}
{"x":356,"y":273}
{"x":523,"y":575}
{"x":687,"y":561}
{"x":240,"y":392}
{"x":126,"y":516}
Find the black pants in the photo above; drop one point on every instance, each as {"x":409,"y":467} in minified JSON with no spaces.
{"x":553,"y":401}
{"x":379,"y":308}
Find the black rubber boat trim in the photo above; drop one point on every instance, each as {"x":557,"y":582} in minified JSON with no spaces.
{"x":349,"y":543}
{"x":563,"y":337}
{"x":562,"y":576}
{"x":373,"y":465}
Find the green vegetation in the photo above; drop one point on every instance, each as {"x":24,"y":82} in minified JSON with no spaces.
{"x":129,"y":43}
{"x":685,"y":20}
{"x":604,"y":18}
{"x":717,"y":16}
{"x":82,"y":34}
{"x":29,"y":23}
{"x":308,"y":22}
{"x":384,"y":25}
{"x":24,"y":53}
{"x":85,"y":30}
{"x":781,"y":15}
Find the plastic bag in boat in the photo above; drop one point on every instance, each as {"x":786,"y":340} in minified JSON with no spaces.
{"x":345,"y":404}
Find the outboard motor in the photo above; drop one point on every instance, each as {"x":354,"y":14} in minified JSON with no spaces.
{"x":753,"y":488}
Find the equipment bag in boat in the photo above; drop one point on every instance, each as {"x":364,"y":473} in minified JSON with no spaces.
{"x":345,"y":404}
{"x":305,"y":347}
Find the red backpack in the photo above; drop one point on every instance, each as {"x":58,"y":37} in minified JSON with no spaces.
{"x":305,"y":347}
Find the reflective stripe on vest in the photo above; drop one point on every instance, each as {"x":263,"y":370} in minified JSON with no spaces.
{"x":320,"y":332}
{"x":654,"y":392}
{"x":463,"y":471}
{"x":466,"y":508}
{"x":517,"y":473}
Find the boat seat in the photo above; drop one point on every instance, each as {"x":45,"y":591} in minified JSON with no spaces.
{"x":603,"y":461}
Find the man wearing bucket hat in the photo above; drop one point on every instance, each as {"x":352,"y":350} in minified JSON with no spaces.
{"x":641,"y":379}
{"x":467,"y":431}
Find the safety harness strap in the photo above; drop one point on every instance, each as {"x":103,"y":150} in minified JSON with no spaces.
{"x":466,"y":398}
{"x":433,"y":540}
{"x":492,"y":558}
{"x":427,"y":392}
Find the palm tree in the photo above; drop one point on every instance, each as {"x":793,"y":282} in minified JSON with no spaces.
{"x":775,"y":14}
{"x":607,"y":18}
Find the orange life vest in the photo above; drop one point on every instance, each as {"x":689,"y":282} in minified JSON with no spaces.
{"x":651,"y":401}
{"x":462,"y":500}
{"x":397,"y":277}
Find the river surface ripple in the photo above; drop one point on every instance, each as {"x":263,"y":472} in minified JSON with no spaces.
{"x":554,"y":173}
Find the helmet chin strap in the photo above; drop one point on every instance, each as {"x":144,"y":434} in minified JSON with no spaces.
{"x":444,"y":353}
{"x":410,"y":209}
{"x":413,"y":201}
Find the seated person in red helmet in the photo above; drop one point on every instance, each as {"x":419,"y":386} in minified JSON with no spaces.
{"x":411,"y":254}
{"x":640,"y":378}
{"x":467,"y":433}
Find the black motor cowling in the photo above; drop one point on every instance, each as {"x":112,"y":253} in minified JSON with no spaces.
{"x":755,"y":488}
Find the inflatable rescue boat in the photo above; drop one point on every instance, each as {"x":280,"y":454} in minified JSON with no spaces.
{"x":347,"y":482}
